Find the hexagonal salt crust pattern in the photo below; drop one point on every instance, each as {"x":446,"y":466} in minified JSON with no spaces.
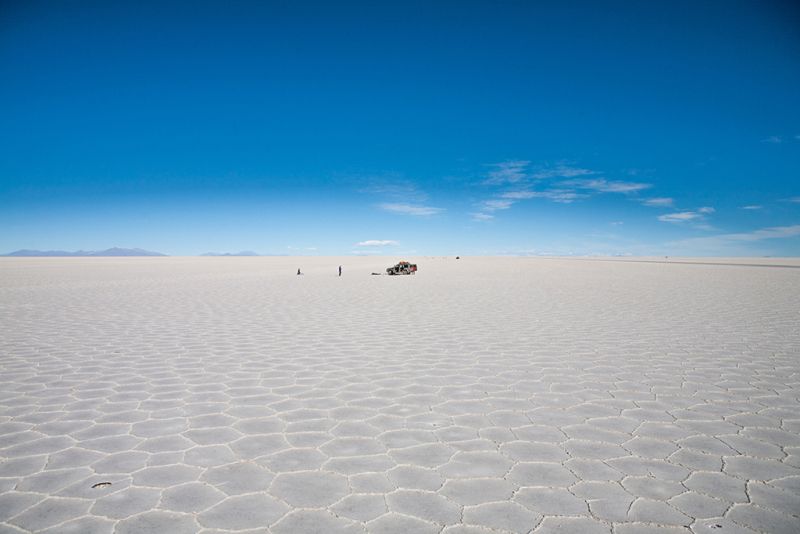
{"x":482,"y":395}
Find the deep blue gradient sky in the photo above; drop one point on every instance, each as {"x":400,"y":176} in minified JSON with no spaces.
{"x":644,"y":128}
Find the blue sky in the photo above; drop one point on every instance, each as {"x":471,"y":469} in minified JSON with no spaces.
{"x":641,"y":128}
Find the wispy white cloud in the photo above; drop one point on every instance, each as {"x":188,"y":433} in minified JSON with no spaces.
{"x":410,"y":209}
{"x":556,"y":195}
{"x":563,"y":196}
{"x":398,"y":194}
{"x":400,"y":190}
{"x":507,"y":172}
{"x":561,"y":171}
{"x":774,"y":139}
{"x":684,"y":216}
{"x":497,"y":204}
{"x":606,"y":186}
{"x":519,"y":195}
{"x":681,"y":216}
{"x":526,"y":182}
{"x":489,"y":206}
{"x":377,"y":243}
{"x":517,"y":171}
{"x":752,"y":207}
{"x":796,"y":200}
{"x":659,"y":202}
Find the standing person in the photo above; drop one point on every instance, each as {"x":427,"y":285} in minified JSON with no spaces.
{"x":340,"y":270}
{"x":298,"y":271}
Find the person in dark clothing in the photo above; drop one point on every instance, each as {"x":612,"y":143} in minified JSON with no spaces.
{"x":340,"y":270}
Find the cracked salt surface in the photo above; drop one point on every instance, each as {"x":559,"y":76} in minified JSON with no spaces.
{"x":481,"y":395}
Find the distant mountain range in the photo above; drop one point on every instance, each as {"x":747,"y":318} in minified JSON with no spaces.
{"x":242,"y":253}
{"x":83,"y":253}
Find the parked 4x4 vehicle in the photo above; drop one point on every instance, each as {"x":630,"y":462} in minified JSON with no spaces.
{"x":402,"y":268}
